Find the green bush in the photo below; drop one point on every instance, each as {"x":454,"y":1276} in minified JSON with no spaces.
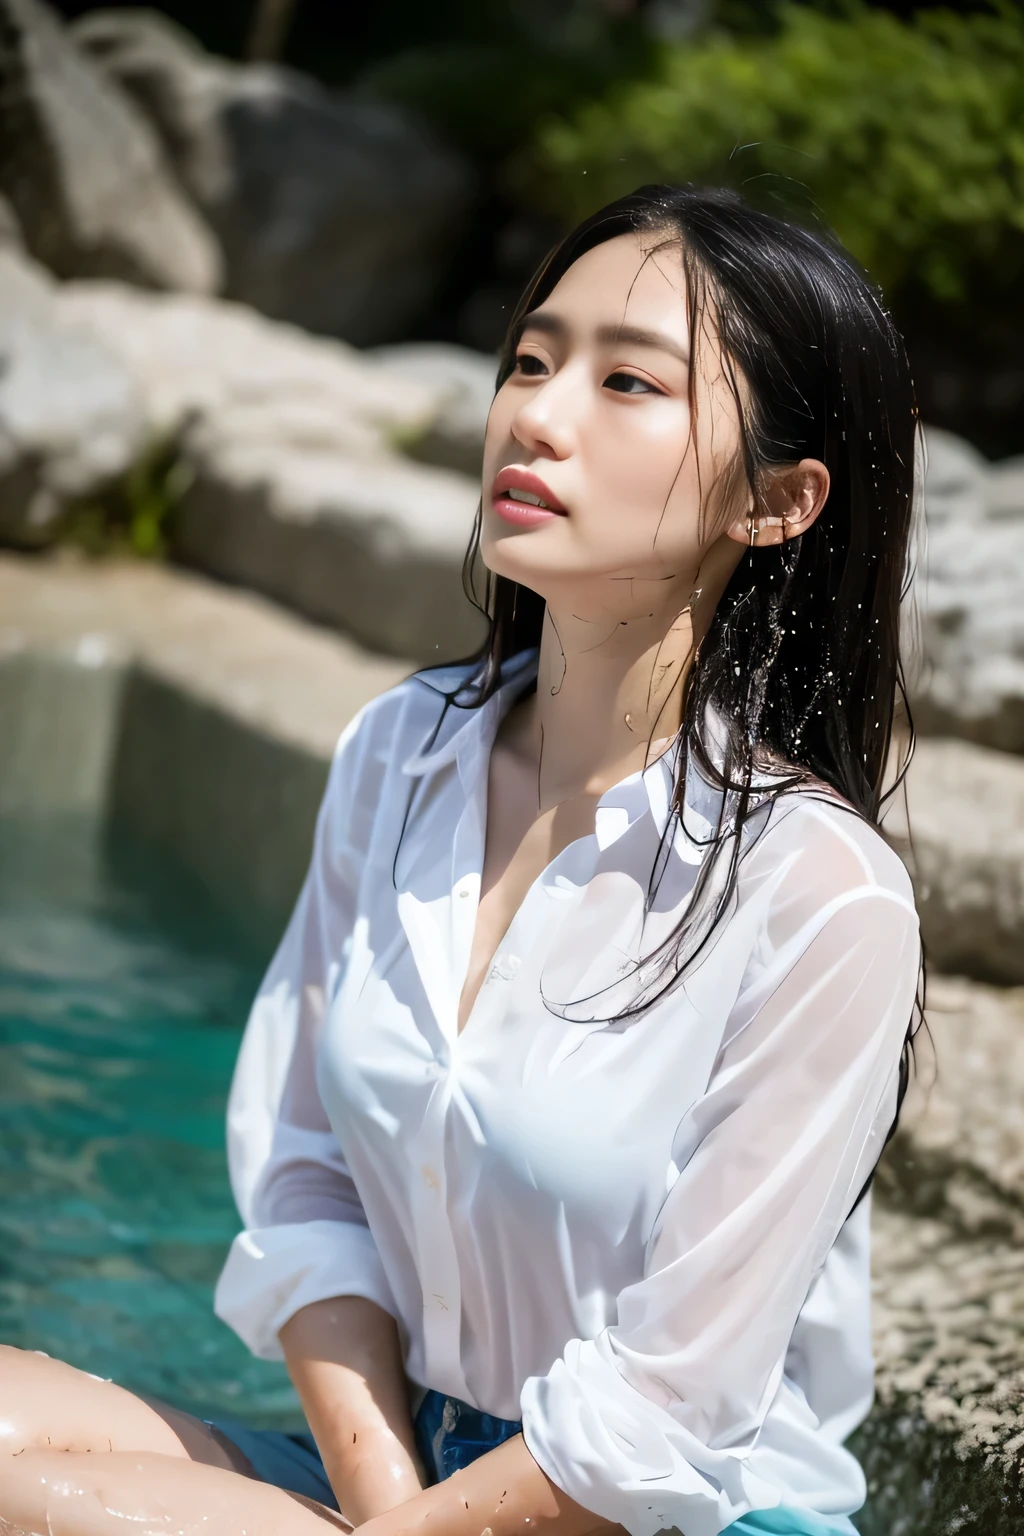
{"x":907,"y":137}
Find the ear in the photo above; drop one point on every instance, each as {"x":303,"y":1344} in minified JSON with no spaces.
{"x":792,"y":496}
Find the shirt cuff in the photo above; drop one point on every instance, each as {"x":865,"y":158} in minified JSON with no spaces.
{"x":271,"y":1272}
{"x":624,"y":1457}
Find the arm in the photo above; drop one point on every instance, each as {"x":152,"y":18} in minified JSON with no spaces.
{"x":654,"y":1423}
{"x":505,"y":1491}
{"x":304,"y":1278}
{"x":345,"y":1360}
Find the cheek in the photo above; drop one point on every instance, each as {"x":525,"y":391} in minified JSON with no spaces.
{"x":642,"y":471}
{"x":498,"y":429}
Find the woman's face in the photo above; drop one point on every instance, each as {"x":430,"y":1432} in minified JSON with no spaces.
{"x":596,"y":421}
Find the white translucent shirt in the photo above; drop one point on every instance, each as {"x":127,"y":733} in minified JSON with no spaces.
{"x":632,"y":1236}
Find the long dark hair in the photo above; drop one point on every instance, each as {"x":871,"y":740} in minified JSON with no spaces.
{"x":801,"y":666}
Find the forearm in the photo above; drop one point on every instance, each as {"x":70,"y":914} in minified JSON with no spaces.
{"x":504,"y":1492}
{"x":345,"y":1360}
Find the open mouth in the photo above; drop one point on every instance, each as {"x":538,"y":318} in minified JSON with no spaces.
{"x":521,"y":497}
{"x":516,"y":493}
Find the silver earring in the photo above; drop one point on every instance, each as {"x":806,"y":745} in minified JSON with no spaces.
{"x":751,"y":529}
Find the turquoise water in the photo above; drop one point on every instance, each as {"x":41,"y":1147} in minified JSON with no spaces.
{"x":122,"y":996}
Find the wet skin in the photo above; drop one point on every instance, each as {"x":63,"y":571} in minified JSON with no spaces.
{"x":83,"y":1457}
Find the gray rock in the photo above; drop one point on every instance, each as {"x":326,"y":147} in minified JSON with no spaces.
{"x":372,"y":546}
{"x":971,"y":1110}
{"x":84,"y":170}
{"x":948,"y":1271}
{"x":332,"y":212}
{"x":971,"y":592}
{"x":455,"y":438}
{"x":296,"y":487}
{"x":966,"y":856}
{"x":71,"y":415}
{"x":220,"y":366}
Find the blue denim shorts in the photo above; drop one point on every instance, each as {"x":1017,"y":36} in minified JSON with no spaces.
{"x":451,"y":1435}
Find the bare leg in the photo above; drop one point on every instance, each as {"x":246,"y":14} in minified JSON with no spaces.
{"x":83,"y":1457}
{"x":144,"y":1493}
{"x":47,"y":1404}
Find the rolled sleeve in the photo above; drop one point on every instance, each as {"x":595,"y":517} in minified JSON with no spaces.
{"x":651,"y":1424}
{"x":272,"y":1272}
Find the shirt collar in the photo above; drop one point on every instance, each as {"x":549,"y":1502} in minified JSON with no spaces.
{"x":465,"y":736}
{"x":466,"y":729}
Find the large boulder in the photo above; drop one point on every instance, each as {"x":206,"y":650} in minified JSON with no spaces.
{"x":83,"y":169}
{"x":296,"y":488}
{"x":455,"y":437}
{"x":944,"y":1447}
{"x":972,"y":596}
{"x":71,"y":414}
{"x":373,"y":546}
{"x":332,"y":212}
{"x":965,"y":851}
{"x":200,"y":361}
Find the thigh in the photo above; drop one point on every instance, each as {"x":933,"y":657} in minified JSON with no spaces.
{"x":84,"y":1495}
{"x":45,"y":1404}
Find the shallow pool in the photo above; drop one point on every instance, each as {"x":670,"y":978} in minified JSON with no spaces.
{"x":122,"y":996}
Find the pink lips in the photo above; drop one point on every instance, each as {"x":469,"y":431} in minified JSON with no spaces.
{"x":524,"y":514}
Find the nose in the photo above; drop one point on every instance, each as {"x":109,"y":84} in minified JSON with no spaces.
{"x":547,"y":420}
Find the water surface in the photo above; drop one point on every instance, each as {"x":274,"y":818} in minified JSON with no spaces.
{"x":123,"y":992}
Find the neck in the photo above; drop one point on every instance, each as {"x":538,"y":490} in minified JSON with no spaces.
{"x":610,"y":695}
{"x":615,"y":662}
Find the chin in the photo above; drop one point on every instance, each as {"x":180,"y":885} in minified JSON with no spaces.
{"x":496,"y":557}
{"x":514,"y":554}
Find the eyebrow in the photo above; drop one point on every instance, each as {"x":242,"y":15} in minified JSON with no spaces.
{"x":608,"y":335}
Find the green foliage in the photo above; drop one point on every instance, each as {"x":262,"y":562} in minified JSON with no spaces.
{"x":133,"y":515}
{"x":907,"y":137}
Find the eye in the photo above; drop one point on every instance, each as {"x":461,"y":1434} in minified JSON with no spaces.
{"x":630,"y":384}
{"x":529,"y":364}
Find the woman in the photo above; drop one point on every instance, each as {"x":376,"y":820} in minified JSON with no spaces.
{"x":554,"y":1117}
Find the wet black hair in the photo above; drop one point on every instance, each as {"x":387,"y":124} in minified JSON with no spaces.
{"x":801,"y":665}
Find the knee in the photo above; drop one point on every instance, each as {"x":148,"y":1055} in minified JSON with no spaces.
{"x":47,"y":1405}
{"x":37,"y":1396}
{"x":19,"y":1379}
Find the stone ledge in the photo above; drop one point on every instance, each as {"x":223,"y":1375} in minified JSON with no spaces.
{"x":203,"y":717}
{"x":237,"y":651}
